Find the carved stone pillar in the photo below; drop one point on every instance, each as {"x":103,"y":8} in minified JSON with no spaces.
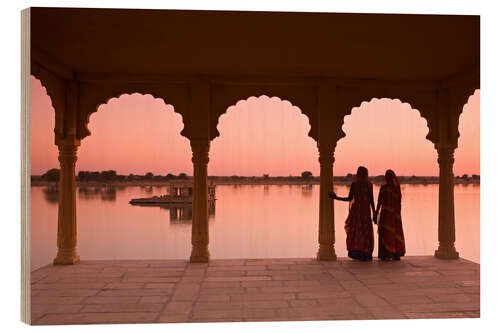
{"x":199,"y":233}
{"x":326,"y":235}
{"x":66,"y":223}
{"x":446,"y":249}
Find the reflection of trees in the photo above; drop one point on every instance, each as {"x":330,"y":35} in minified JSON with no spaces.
{"x":108,"y":194}
{"x":160,"y":188}
{"x":51,"y":194}
{"x":147,"y":189}
{"x":266,"y":190}
{"x":120,"y":188}
{"x":307,"y":190}
{"x":89,"y":193}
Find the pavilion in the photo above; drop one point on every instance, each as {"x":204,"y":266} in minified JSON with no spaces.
{"x":202,"y":62}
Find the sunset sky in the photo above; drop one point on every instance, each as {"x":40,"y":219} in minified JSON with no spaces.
{"x":138,"y":134}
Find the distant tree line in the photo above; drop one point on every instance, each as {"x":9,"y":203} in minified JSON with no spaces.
{"x":306,"y":176}
{"x":108,"y":176}
{"x":466,"y":177}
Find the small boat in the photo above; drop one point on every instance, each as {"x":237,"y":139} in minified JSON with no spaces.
{"x":179,"y":192}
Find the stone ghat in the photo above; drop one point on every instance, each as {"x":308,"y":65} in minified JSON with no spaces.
{"x":228,"y":290}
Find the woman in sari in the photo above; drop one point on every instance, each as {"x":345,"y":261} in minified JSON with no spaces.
{"x":358,"y":225}
{"x":391,"y":241}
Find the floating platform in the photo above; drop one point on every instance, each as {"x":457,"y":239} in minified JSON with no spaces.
{"x":179,"y":193}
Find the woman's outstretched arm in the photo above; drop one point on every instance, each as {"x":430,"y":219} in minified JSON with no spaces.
{"x":348,"y":198}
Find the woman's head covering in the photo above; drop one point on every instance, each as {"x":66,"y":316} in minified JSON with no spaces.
{"x":391,"y":179}
{"x":362,"y":174}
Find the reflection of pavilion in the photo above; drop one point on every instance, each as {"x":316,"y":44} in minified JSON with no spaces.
{"x":339,"y":61}
{"x":183,"y":214}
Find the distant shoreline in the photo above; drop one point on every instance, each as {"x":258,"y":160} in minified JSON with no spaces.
{"x":244,"y":182}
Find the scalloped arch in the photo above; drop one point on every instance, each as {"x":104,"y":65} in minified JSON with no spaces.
{"x":47,"y":90}
{"x":424,"y":102}
{"x":93,"y":98}
{"x":461,"y":110}
{"x":55,"y":89}
{"x":282,"y":100}
{"x":392,"y":99}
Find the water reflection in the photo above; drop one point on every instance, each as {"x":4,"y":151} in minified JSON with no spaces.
{"x":180,"y":214}
{"x":108,"y":193}
{"x":266,"y":190}
{"x":246,"y":225}
{"x":51,"y":194}
{"x":89,"y":193}
{"x":183,"y":214}
{"x":307,"y":190}
{"x":105,"y":193}
{"x":147,"y":189}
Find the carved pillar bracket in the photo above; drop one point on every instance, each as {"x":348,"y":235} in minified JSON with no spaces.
{"x":446,"y":249}
{"x":326,"y":235}
{"x":66,"y":223}
{"x":199,"y":234}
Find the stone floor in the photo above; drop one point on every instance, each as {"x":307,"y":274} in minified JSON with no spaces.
{"x":140,"y":291}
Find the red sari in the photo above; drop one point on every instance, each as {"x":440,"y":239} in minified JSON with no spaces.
{"x":390,"y":228}
{"x":358,"y":225}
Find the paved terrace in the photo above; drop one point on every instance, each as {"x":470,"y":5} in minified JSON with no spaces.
{"x":147,"y":291}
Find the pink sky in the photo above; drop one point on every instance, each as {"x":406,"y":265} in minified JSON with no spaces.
{"x":138,"y":134}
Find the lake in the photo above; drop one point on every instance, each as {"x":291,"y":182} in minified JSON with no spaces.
{"x":248,"y":221}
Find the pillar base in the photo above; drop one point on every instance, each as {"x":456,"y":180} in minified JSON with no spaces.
{"x":66,"y":257}
{"x":448,"y":252}
{"x":326,"y":253}
{"x":199,"y":254}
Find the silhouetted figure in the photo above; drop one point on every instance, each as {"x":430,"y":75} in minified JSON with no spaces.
{"x":358,"y":225}
{"x":391,"y":240}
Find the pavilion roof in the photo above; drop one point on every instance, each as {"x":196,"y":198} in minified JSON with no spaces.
{"x":193,"y":43}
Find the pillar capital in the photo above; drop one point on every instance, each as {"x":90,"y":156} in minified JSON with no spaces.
{"x":326,"y":154}
{"x":68,"y":154}
{"x":445,"y":156}
{"x":200,"y":149}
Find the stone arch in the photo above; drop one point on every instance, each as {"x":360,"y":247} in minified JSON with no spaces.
{"x":463,"y":108}
{"x":92,"y":96}
{"x":424,"y":102}
{"x":270,"y":98}
{"x":392,"y":99}
{"x":55,"y":88}
{"x":467,"y":154}
{"x":297,"y":130}
{"x":224,"y":97}
{"x":459,"y":99}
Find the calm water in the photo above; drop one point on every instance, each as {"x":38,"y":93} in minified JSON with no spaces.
{"x":249,"y":221}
